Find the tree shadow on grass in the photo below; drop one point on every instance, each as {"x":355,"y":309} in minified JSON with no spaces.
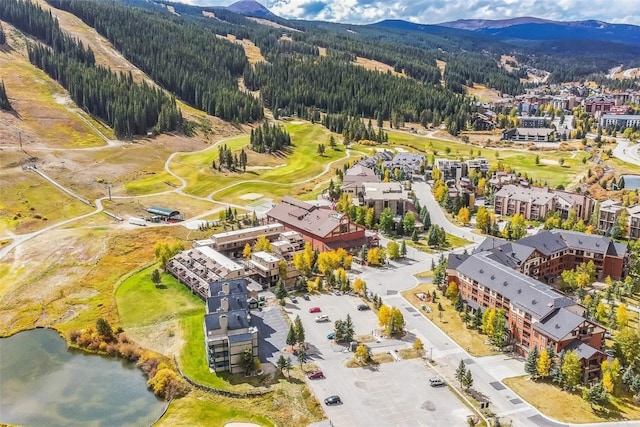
{"x":608,"y":412}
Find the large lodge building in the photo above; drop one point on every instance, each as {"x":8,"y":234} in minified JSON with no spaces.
{"x":510,"y":275}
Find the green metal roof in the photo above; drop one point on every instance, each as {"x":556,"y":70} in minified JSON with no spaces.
{"x":162,"y":211}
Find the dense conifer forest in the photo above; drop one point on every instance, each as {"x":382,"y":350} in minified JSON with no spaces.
{"x":130,"y":108}
{"x":289,"y":85}
{"x":353,"y":129}
{"x":181,"y":56}
{"x":269,"y":138}
{"x":3,"y":37}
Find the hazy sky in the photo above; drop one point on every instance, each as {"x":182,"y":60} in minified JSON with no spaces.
{"x":435,"y":11}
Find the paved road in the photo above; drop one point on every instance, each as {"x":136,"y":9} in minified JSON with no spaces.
{"x":626,"y":152}
{"x":423,"y":193}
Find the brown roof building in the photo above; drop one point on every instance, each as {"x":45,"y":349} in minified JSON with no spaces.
{"x":510,"y":275}
{"x":325,"y":229}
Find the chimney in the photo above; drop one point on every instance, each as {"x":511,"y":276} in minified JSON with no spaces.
{"x":224,"y":323}
{"x":224,"y":303}
{"x":226,"y":288}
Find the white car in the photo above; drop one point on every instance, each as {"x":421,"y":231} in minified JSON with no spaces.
{"x":436,"y":382}
{"x":322,"y":318}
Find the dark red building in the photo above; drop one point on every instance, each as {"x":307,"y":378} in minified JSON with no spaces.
{"x":325,"y":229}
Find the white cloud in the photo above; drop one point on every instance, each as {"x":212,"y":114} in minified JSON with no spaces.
{"x":436,"y":11}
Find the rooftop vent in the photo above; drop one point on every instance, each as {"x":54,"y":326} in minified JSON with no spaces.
{"x":557,"y":326}
{"x":505,"y":283}
{"x":534,"y":302}
{"x":579,"y":242}
{"x":493,"y":277}
{"x":481,"y":271}
{"x":519,"y":291}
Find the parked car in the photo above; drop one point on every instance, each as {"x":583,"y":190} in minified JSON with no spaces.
{"x":294,"y":300}
{"x":436,"y":382}
{"x":322,"y":318}
{"x":315,"y":375}
{"x":332,"y":400}
{"x":314,"y":310}
{"x":337,"y":292}
{"x":306,"y":297}
{"x":363,"y":307}
{"x":331,"y":335}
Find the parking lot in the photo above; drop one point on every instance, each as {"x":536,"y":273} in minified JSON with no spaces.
{"x":272,"y":330}
{"x":392,"y":394}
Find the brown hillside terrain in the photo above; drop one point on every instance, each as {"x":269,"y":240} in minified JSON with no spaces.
{"x":108,"y":56}
{"x":43,"y":115}
{"x":69,"y":145}
{"x":251,"y":51}
{"x":104,"y":51}
{"x":483,"y":93}
{"x":371,"y":64}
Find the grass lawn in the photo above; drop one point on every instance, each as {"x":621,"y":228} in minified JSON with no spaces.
{"x":450,"y":323}
{"x":452,"y":243}
{"x":30,"y":203}
{"x":302,"y":162}
{"x":428,"y":273}
{"x":151,"y":184}
{"x":200,"y":408}
{"x":382,"y":358}
{"x":570,"y":407}
{"x":194,"y":364}
{"x":141,"y":303}
{"x":409,"y":353}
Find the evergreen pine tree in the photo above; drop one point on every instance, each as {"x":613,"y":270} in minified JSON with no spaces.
{"x":531,"y":365}
{"x":4,"y":100}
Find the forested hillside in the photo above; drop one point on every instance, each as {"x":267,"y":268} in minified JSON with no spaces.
{"x":182,"y":56}
{"x":130,"y":108}
{"x":292,"y":85}
{"x":3,"y":38}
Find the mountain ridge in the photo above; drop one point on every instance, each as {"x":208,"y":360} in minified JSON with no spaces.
{"x":251,"y":8}
{"x":530,"y":29}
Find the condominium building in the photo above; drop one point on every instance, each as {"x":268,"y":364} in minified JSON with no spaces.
{"x":620,"y":121}
{"x":505,"y":275}
{"x":536,"y":203}
{"x":228,"y":330}
{"x":609,"y":214}
{"x":235,"y":240}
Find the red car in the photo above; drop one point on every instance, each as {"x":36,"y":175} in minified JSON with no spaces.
{"x":315,"y":375}
{"x":314,"y":310}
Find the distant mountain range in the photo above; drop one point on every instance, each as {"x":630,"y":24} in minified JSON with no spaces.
{"x":508,"y":30}
{"x":528,"y":28}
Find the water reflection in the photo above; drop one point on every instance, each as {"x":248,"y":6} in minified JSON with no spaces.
{"x":44,"y":384}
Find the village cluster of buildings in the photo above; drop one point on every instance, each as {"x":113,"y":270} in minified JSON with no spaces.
{"x":216,"y":270}
{"x":610,"y":110}
{"x":518,"y":277}
{"x":537,"y":203}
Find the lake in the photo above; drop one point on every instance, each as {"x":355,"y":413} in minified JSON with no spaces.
{"x":42,"y":383}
